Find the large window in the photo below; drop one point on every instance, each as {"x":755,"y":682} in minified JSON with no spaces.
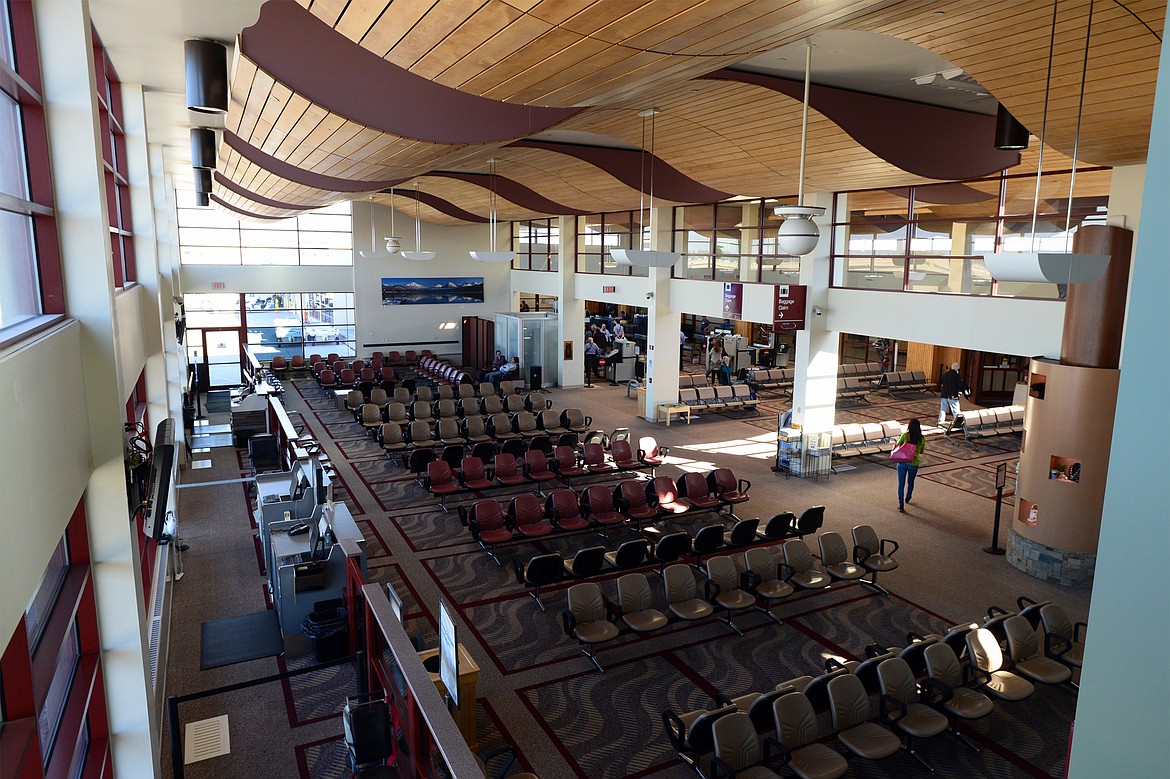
{"x":537,"y":243}
{"x":598,"y":233}
{"x":30,"y":274}
{"x":731,"y":241}
{"x":109,"y":100}
{"x":50,"y":675}
{"x":271,"y":323}
{"x":210,"y":236}
{"x":931,"y":238}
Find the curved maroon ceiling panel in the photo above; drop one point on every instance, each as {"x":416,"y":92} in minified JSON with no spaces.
{"x":227,"y":183}
{"x":931,"y":141}
{"x":300,"y":175}
{"x":623,"y":165}
{"x":440,"y":205}
{"x":512,"y":191}
{"x":249,"y":214}
{"x":945,"y":194}
{"x":352,"y":81}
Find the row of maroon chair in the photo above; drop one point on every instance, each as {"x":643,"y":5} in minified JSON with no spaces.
{"x":443,"y":372}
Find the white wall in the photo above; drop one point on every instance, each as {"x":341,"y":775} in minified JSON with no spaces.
{"x":267,"y":278}
{"x":421,"y":326}
{"x":44,"y":462}
{"x":1004,"y":325}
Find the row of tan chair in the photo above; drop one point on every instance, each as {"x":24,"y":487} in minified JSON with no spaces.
{"x":734,"y":397}
{"x":988,"y":422}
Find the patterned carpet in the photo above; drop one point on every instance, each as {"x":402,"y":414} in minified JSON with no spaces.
{"x":538,"y":693}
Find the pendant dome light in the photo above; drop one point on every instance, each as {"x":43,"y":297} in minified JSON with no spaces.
{"x":798,"y":233}
{"x":418,"y":255}
{"x":491,"y":255}
{"x":645,"y":258}
{"x":1053,"y":267}
{"x":392,"y":243}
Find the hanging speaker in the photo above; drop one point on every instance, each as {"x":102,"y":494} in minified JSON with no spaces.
{"x":1010,"y":135}
{"x":202,"y":181}
{"x":203,"y":148}
{"x":202,"y":199}
{"x":207,"y":77}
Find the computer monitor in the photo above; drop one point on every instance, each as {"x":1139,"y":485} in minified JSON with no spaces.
{"x":448,"y":652}
{"x":319,"y":485}
{"x":395,"y":601}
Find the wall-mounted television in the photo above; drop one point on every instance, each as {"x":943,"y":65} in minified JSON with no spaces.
{"x":162,"y":464}
{"x":448,"y":652}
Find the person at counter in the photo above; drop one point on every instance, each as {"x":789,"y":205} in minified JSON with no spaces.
{"x":619,"y":332}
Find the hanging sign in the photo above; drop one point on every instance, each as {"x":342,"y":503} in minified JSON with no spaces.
{"x":732,"y":300}
{"x":790,"y":306}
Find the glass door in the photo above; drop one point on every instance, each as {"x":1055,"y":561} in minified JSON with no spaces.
{"x":221,"y":353}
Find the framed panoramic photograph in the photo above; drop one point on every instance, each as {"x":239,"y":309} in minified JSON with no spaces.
{"x":463,"y":289}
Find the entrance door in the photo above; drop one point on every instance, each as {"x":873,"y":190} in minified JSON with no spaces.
{"x":221,"y":354}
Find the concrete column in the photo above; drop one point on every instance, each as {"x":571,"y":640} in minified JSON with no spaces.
{"x":570,"y":307}
{"x":1122,"y":710}
{"x":663,"y":325}
{"x":65,"y":36}
{"x":814,"y":394}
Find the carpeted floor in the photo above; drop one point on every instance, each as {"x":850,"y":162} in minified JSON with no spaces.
{"x":537,"y":693}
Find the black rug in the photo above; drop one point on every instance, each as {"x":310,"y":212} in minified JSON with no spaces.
{"x":238,"y":639}
{"x":218,"y":401}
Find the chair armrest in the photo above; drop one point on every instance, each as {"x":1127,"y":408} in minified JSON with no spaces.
{"x":891,"y":542}
{"x":676,"y":731}
{"x":475,"y":529}
{"x":463,"y":511}
{"x":722,"y":700}
{"x":744,"y":486}
{"x":888,"y":703}
{"x":785,"y":571}
{"x":504,"y":750}
{"x":721,"y":770}
{"x":711,"y":589}
{"x":775,"y":752}
{"x":993,"y":611}
{"x":975,"y":674}
{"x":1056,"y":645}
{"x":663,"y":450}
{"x":1023,"y":601}
{"x":518,"y":569}
{"x":568,"y":622}
{"x":750,"y":581}
{"x":588,"y":421}
{"x":914,"y":635}
{"x":613,"y":612}
{"x":641,"y":454}
{"x":833,"y":664}
{"x":860,"y":553}
{"x":1078,"y":634}
{"x":936,"y":691}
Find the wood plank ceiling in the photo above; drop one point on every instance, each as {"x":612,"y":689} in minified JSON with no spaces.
{"x":286,"y":152}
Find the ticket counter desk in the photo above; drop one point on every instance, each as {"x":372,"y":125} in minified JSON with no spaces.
{"x":307,"y":569}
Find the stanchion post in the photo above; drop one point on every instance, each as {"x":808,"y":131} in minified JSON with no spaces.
{"x":1000,"y":480}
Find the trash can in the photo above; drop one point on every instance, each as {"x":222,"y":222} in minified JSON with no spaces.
{"x":535,"y":378}
{"x":329,"y":632}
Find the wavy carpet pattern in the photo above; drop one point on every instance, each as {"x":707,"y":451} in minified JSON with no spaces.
{"x":536,"y":691}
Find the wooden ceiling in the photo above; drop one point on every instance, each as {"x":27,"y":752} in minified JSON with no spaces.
{"x":614,"y":58}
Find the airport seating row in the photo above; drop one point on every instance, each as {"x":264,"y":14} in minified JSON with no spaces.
{"x":734,"y":397}
{"x":988,"y":422}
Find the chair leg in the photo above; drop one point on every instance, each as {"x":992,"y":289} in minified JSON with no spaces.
{"x":589,"y":651}
{"x":536,"y":597}
{"x":730,"y":622}
{"x":873,"y":583}
{"x":914,"y":753}
{"x":963,"y":737}
{"x":767,"y":609}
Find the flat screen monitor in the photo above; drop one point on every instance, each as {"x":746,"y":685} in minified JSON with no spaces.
{"x":448,"y":652}
{"x":162,"y":463}
{"x":319,"y":486}
{"x":395,"y":601}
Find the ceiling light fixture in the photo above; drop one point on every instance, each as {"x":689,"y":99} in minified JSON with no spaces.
{"x":418,"y":255}
{"x":373,"y":253}
{"x":1054,"y":267}
{"x":491,"y":255}
{"x":1010,"y":134}
{"x":645,"y":257}
{"x":798,"y":233}
{"x":203,"y":148}
{"x":206,"y":76}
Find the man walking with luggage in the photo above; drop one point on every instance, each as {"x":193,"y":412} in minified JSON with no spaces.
{"x":949,"y":389}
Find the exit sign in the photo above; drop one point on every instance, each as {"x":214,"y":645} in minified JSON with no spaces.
{"x":217,"y":285}
{"x":609,"y":289}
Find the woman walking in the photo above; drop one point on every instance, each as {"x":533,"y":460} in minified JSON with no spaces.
{"x":908,"y":470}
{"x":714,"y":362}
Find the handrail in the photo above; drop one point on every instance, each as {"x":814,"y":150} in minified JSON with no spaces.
{"x":445,"y":735}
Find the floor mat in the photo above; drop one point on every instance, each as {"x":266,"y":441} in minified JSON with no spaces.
{"x":238,"y":639}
